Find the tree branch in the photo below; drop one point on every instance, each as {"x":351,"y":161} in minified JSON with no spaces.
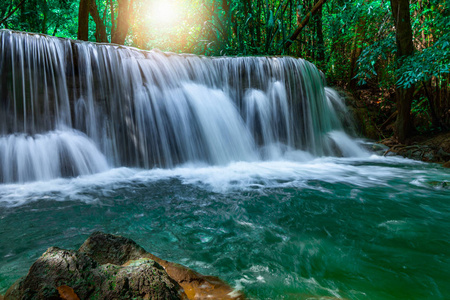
{"x":303,"y":23}
{"x":12,"y":12}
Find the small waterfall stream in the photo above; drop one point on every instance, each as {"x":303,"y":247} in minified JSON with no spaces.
{"x":70,"y":108}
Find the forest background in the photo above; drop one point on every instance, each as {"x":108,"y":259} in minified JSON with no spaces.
{"x":392,"y":58}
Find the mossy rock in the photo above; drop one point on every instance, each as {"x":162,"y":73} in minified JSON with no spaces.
{"x":88,"y":279}
{"x":113,"y":267}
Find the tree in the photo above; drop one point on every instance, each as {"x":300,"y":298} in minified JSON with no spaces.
{"x":405,"y":48}
{"x":83,"y":20}
{"x":123,"y":22}
{"x":100,"y":28}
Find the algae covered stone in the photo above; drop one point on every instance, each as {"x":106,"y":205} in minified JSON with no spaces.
{"x":58,"y":271}
{"x":109,"y":266}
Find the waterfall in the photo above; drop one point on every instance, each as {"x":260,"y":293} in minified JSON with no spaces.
{"x":69,"y":108}
{"x":55,"y":154}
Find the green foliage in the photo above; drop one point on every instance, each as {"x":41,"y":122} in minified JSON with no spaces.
{"x":376,"y":61}
{"x":53,"y":17}
{"x":433,"y":61}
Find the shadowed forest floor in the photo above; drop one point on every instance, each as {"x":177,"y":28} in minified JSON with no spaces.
{"x":374,"y":115}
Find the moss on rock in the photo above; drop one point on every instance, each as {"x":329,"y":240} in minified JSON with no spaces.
{"x":113,"y":267}
{"x":90,"y":279}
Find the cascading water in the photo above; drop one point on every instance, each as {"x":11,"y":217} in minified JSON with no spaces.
{"x":55,"y":154}
{"x":150,"y":109}
{"x":235,"y":167}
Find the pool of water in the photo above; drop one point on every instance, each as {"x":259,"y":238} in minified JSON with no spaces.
{"x":371,"y":228}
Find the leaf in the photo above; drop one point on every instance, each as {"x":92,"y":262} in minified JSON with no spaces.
{"x":270,"y":22}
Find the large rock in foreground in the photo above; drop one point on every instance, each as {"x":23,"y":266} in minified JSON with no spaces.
{"x":113,"y":267}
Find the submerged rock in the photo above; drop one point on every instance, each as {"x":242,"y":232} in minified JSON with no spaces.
{"x":113,"y":267}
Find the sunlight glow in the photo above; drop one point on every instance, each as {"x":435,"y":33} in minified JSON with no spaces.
{"x":164,"y":12}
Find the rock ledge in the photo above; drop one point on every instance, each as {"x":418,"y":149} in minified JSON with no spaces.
{"x":435,"y":149}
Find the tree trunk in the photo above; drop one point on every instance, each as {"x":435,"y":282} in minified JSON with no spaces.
{"x":356,"y":51}
{"x":230,"y":20}
{"x":44,"y":12}
{"x":247,"y":12}
{"x":123,"y":22}
{"x":83,"y":20}
{"x":259,"y":25}
{"x":100,"y":28}
{"x":113,"y":21}
{"x":433,"y":102}
{"x":400,"y":11}
{"x":320,"y":42}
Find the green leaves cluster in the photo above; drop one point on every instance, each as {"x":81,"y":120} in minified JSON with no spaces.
{"x":53,"y":17}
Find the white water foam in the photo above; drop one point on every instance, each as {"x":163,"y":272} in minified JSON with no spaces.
{"x":371,"y":171}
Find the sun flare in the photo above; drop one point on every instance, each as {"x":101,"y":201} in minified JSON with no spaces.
{"x":164,"y":12}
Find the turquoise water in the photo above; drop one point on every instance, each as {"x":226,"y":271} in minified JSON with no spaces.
{"x":373,"y":228}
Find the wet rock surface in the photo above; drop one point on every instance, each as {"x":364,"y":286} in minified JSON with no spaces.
{"x":112,"y":249}
{"x":68,"y":274}
{"x":113,"y":267}
{"x":434,"y":149}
